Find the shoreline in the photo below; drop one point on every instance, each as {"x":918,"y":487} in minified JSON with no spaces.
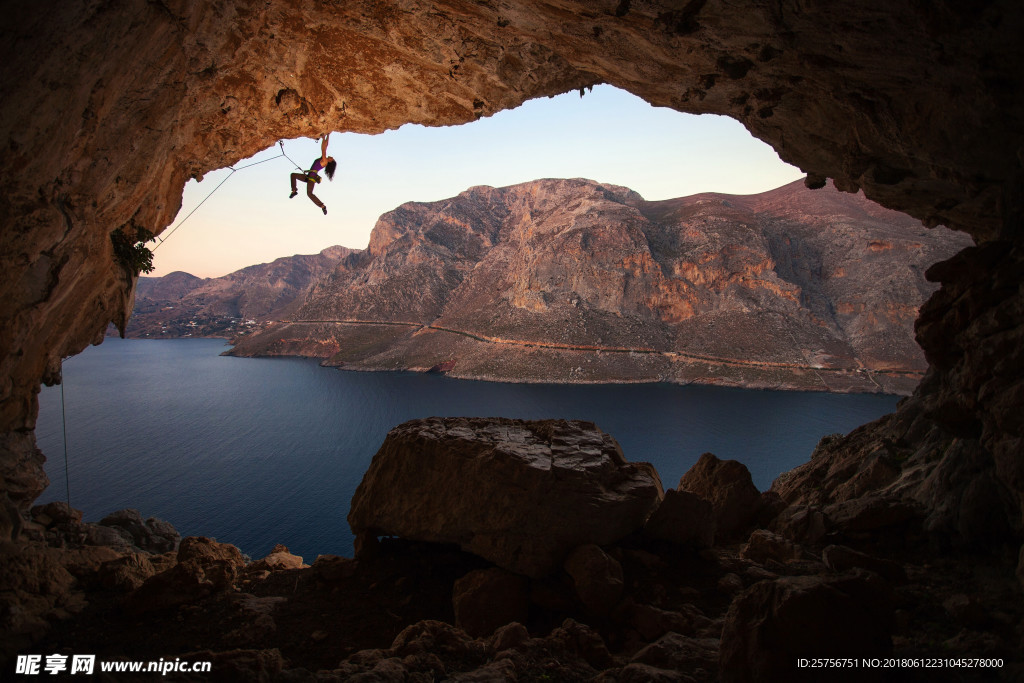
{"x":821,"y":387}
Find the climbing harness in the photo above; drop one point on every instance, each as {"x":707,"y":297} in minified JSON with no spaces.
{"x":161,"y":240}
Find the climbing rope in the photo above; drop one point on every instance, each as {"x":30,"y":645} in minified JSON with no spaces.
{"x":289,"y":158}
{"x":234,"y":170}
{"x":64,"y":425}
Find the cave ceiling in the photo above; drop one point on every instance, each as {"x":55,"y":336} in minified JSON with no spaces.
{"x":110,"y":108}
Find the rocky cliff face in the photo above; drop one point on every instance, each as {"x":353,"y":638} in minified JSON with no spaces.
{"x":563,"y":279}
{"x":921,"y":105}
{"x":180,"y":304}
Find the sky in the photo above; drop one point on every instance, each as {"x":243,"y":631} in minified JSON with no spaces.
{"x":608,"y":135}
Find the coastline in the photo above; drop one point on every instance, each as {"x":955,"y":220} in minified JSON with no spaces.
{"x":473,"y":357}
{"x":845,"y":380}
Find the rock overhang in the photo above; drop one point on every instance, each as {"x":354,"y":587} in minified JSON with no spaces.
{"x":920,"y":106}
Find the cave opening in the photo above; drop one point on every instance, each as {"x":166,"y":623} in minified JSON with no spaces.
{"x":665,"y":153}
{"x":608,"y":135}
{"x":918,"y":104}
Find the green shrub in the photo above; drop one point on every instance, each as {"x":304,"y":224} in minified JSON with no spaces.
{"x":131,"y":251}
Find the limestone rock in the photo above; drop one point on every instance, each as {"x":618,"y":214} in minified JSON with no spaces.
{"x":801,"y":523}
{"x":438,"y":637}
{"x":521,"y":494}
{"x":773,"y":623}
{"x":152,"y":535}
{"x":488,"y":598}
{"x":638,"y":672}
{"x":870,"y":513}
{"x":763,"y":546}
{"x":542,"y":263}
{"x":334,"y":567}
{"x":680,"y":653}
{"x":684,"y":518}
{"x":115,"y":537}
{"x":839,"y":558}
{"x":727,"y":485}
{"x":730,"y":584}
{"x":877,"y":124}
{"x":34,"y":583}
{"x":579,"y":639}
{"x":966,"y":609}
{"x":85,"y":561}
{"x":278,"y":559}
{"x":597,"y":578}
{"x":653,"y":622}
{"x":511,"y":635}
{"x":204,"y":566}
{"x":126,"y":573}
{"x":56,"y":513}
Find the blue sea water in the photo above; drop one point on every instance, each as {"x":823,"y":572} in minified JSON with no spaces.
{"x":258,"y":451}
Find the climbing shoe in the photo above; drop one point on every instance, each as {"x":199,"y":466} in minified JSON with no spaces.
{"x":294,"y":192}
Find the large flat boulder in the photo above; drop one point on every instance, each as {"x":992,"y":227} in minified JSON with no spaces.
{"x":522,"y":494}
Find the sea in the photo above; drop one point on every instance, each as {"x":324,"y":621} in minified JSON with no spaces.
{"x":260,"y":451}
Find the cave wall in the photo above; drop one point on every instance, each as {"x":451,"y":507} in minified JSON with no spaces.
{"x":110,"y":108}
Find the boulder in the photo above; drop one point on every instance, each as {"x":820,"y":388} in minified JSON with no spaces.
{"x":870,"y":513}
{"x":680,"y":653}
{"x":967,"y":610}
{"x":488,"y":598}
{"x":204,"y":566}
{"x":597,"y":578}
{"x":730,"y":584}
{"x":33,"y":585}
{"x":334,"y":567}
{"x":110,"y":536}
{"x":638,"y":672}
{"x":278,"y":559}
{"x":727,"y":485}
{"x":86,"y":561}
{"x":55,"y":513}
{"x":839,"y":558}
{"x":152,"y":535}
{"x":510,"y":636}
{"x":574,"y":638}
{"x":126,"y":573}
{"x":437,"y":637}
{"x":653,"y":622}
{"x":801,"y":523}
{"x":519,"y":493}
{"x":683,"y":518}
{"x":773,"y":624}
{"x":207,"y":551}
{"x":764,"y":545}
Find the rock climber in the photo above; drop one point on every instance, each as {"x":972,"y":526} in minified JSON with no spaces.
{"x":312,"y":176}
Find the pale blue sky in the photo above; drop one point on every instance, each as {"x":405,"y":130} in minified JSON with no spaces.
{"x":608,"y":135}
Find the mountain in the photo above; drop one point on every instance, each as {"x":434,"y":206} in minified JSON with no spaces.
{"x":179,"y":304}
{"x":574,"y":280}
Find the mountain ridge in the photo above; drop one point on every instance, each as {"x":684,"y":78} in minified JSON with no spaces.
{"x":541,"y":281}
{"x":180,"y":304}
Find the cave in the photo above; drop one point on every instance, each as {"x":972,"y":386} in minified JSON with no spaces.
{"x":918,"y":104}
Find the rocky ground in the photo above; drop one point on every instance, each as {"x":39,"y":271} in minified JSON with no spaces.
{"x":713,"y":580}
